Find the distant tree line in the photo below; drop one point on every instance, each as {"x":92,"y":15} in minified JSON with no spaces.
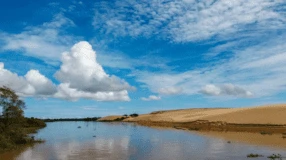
{"x":71,"y":119}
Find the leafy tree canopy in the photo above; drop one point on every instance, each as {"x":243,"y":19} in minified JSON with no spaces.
{"x":10,"y":102}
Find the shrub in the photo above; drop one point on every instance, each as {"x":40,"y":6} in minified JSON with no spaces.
{"x":120,"y":119}
{"x":14,"y":128}
{"x":134,"y":115}
{"x":275,"y":156}
{"x":34,"y":122}
{"x":2,"y":127}
{"x":253,"y":155}
{"x":5,"y":143}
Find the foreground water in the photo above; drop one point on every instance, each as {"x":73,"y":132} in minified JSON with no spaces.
{"x":95,"y":140}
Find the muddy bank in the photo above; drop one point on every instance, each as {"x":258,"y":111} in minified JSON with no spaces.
{"x":258,"y":139}
{"x":254,"y":134}
{"x":204,"y":125}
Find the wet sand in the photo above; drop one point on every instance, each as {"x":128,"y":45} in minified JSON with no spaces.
{"x":220,"y":126}
{"x":272,"y":140}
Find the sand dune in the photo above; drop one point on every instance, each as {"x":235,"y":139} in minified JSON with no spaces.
{"x":272,"y":114}
{"x":240,"y":123}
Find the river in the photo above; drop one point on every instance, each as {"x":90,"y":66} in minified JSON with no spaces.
{"x":128,"y":141}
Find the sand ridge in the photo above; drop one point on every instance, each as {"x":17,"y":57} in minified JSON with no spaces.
{"x":269,"y":114}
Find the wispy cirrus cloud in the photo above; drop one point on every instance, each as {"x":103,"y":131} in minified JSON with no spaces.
{"x":123,"y":61}
{"x":225,"y":89}
{"x":151,"y":98}
{"x":253,"y":71}
{"x":46,"y":41}
{"x":185,"y":21}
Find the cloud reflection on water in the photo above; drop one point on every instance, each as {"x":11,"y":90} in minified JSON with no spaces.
{"x":64,"y":141}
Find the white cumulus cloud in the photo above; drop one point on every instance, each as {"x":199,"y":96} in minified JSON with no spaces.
{"x":32,"y":84}
{"x":42,"y":85}
{"x":82,"y":76}
{"x":66,"y":92}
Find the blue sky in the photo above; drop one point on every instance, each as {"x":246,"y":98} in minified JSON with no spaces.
{"x":97,"y":58}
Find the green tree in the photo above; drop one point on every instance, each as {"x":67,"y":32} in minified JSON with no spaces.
{"x":12,"y":106}
{"x":14,"y":127}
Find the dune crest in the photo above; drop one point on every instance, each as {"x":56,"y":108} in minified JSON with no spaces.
{"x":270,"y":114}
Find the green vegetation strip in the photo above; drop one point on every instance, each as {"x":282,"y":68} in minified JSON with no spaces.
{"x":14,"y":127}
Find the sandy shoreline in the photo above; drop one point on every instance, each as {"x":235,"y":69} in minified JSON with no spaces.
{"x":220,"y":126}
{"x":264,"y":125}
{"x":257,"y":139}
{"x":251,"y":119}
{"x":252,"y":138}
{"x":272,"y":115}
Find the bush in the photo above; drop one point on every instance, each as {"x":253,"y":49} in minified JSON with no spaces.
{"x":18,"y":136}
{"x":275,"y":156}
{"x":2,"y":127}
{"x":134,"y":115}
{"x":14,"y":128}
{"x":5,"y":143}
{"x":120,"y":119}
{"x":254,"y":155}
{"x":34,"y":122}
{"x":13,"y":135}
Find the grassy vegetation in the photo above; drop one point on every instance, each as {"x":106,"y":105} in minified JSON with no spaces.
{"x":120,"y":119}
{"x":265,"y":133}
{"x":253,"y":155}
{"x":126,"y":116}
{"x":275,"y":156}
{"x":16,"y":134}
{"x":14,"y":127}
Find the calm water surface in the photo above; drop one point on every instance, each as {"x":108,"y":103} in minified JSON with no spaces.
{"x":95,"y":140}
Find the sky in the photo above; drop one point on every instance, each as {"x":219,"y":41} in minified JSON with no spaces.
{"x":107,"y":57}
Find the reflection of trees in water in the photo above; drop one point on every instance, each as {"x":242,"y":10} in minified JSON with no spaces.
{"x":129,"y":141}
{"x":95,"y":149}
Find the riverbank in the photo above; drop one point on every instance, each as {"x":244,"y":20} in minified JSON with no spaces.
{"x":119,"y":140}
{"x":14,"y":136}
{"x":257,"y":139}
{"x":202,"y":125}
{"x":260,"y":125}
{"x":260,"y":119}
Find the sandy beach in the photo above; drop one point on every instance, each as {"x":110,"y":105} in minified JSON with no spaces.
{"x":262,"y":119}
{"x":258,"y":125}
{"x":271,"y":114}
